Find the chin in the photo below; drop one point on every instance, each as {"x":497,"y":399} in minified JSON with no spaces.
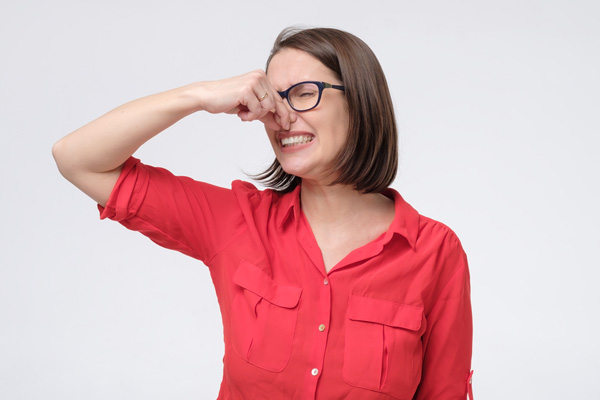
{"x":299,"y":172}
{"x":307,"y":174}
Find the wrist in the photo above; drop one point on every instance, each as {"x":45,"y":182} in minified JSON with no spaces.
{"x":194,"y":96}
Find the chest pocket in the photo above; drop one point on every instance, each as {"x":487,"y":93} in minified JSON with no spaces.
{"x":383,"y":350}
{"x":263,"y":318}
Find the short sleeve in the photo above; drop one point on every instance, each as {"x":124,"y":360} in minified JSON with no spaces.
{"x":447,"y":343}
{"x":178,"y":213}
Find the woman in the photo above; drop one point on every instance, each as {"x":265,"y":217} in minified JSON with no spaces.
{"x":330,"y":286}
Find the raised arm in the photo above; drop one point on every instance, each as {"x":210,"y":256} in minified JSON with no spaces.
{"x":92,"y":156}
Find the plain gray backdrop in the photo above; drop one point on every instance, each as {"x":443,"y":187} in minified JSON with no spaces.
{"x":498,"y":108}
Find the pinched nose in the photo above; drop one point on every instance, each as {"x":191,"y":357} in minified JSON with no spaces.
{"x":293,"y":117}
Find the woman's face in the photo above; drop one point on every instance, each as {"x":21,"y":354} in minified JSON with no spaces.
{"x":319,"y":134}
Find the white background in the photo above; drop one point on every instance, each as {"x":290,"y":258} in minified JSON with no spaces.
{"x":498,"y":107}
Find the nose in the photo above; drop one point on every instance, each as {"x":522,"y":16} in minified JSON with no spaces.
{"x":293,"y":115}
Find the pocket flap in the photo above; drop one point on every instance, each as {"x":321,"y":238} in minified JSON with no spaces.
{"x":385,"y":312}
{"x":254,"y":279}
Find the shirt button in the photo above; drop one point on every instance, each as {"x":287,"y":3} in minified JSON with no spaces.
{"x":314,"y":372}
{"x":326,"y":281}
{"x":322,"y":327}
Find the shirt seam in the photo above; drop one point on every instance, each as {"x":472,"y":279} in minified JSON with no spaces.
{"x":440,"y":298}
{"x":225,"y":246}
{"x":190,"y":249}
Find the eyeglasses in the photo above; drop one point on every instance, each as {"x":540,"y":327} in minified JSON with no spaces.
{"x":305,"y":96}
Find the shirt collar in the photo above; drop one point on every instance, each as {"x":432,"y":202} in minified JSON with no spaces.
{"x":405,"y":223}
{"x":406,"y":219}
{"x":289,"y":205}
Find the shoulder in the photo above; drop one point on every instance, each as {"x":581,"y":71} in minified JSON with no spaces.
{"x":423,"y":233}
{"x":246,"y":192}
{"x":431,"y":230}
{"x":449,"y":264}
{"x":265,"y":205}
{"x":441,"y":243}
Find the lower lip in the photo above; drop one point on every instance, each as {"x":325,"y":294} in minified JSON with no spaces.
{"x":291,"y":149}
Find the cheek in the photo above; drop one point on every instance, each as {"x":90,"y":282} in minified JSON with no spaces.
{"x":341,"y":127}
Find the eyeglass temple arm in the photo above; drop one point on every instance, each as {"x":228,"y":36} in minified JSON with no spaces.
{"x":329,"y":85}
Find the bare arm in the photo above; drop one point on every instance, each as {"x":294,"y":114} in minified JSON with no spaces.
{"x":92,"y":156}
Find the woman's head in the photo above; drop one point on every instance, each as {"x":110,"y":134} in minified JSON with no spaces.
{"x":369,"y":158}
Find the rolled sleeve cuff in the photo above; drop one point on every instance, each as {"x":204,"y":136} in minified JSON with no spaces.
{"x":127,"y":194}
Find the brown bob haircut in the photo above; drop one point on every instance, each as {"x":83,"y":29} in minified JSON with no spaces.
{"x":370,"y":158}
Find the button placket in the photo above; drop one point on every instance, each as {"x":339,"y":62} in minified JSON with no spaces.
{"x":321,"y":330}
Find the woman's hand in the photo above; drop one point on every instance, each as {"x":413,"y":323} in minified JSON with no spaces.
{"x":250,"y":96}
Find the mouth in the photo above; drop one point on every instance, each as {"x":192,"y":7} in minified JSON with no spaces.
{"x":295,"y":140}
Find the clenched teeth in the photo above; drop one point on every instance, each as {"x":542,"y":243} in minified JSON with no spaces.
{"x":296,"y":140}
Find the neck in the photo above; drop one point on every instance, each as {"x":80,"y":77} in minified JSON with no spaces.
{"x":330,"y":204}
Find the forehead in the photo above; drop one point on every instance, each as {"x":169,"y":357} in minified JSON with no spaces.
{"x":290,"y":66}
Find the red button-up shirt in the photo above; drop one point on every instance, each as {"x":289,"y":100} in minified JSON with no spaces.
{"x":392,"y":320}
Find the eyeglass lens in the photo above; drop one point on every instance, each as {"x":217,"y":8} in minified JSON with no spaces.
{"x":304,"y":96}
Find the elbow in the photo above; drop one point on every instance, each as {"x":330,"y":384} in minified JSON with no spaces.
{"x":61,"y":157}
{"x":58,"y":153}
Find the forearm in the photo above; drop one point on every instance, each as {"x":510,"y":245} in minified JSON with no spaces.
{"x":105,"y":144}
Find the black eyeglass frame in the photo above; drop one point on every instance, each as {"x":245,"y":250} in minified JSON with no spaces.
{"x":320,"y":85}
